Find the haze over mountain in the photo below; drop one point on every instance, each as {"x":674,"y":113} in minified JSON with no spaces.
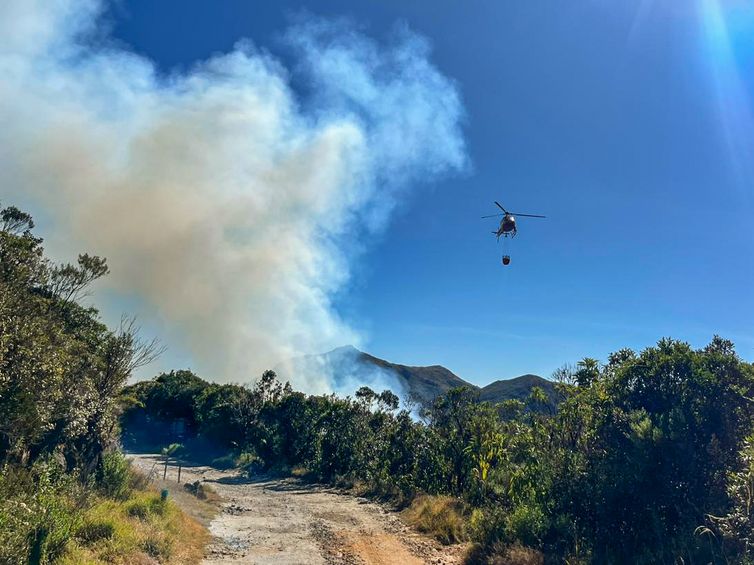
{"x":348,"y":368}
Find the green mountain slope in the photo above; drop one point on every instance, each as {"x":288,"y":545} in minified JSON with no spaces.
{"x":518,"y":388}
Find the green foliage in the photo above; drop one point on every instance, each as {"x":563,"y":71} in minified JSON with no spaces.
{"x":159,"y":547}
{"x":115,"y":478}
{"x":147,"y":506}
{"x":40,"y":510}
{"x":61,"y":369}
{"x":526,"y":524}
{"x":641,"y":452}
{"x":736,"y":527}
{"x":227,"y":461}
{"x":172,"y":450}
{"x":91,"y":532}
{"x":45,"y":512}
{"x":249,"y":462}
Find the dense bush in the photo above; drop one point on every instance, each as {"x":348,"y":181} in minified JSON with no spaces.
{"x":646,"y":459}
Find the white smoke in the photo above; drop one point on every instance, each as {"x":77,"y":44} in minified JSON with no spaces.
{"x":229,"y":204}
{"x":346,"y":371}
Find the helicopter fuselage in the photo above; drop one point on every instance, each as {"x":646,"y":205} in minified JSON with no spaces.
{"x":507,"y":226}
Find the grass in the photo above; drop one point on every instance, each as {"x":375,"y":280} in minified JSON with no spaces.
{"x":301,"y":472}
{"x":201,"y":507}
{"x":442,"y":517}
{"x":138,"y":530}
{"x":501,"y":554}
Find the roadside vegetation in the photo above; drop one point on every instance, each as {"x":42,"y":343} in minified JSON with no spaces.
{"x":67,"y":495}
{"x":647,"y":458}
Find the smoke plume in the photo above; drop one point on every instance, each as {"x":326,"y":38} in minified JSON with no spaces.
{"x":230,"y":206}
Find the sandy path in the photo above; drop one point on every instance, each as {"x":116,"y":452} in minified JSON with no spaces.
{"x":284,"y":521}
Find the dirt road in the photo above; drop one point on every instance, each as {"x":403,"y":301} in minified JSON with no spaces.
{"x":284,"y":521}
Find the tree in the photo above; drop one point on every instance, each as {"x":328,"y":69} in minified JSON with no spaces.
{"x":587,"y":371}
{"x":61,"y":369}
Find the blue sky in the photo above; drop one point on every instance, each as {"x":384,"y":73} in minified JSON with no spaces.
{"x":627,"y":124}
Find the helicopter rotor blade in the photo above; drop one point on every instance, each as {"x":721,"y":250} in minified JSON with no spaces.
{"x":528,"y":215}
{"x":493,"y":216}
{"x":501,"y":206}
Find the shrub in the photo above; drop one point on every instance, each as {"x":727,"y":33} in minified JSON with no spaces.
{"x":224,"y":462}
{"x":250,"y":463}
{"x":526,"y":523}
{"x":116,"y":479}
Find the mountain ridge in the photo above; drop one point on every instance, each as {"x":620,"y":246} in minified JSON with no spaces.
{"x":422,"y":383}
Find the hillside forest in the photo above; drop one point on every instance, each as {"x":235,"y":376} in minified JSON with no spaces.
{"x":647,"y":457}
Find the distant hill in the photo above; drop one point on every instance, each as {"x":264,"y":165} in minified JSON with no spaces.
{"x":516,"y":389}
{"x":348,"y":367}
{"x":422,"y":383}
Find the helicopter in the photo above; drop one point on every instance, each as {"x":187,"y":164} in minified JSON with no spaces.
{"x":508,"y":225}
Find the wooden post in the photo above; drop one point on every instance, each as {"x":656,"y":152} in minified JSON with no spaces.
{"x":179,"y":472}
{"x":165,"y":472}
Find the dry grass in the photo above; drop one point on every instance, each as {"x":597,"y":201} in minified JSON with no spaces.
{"x":442,"y":517}
{"x":500,"y":554}
{"x":300,"y":472}
{"x":518,"y":555}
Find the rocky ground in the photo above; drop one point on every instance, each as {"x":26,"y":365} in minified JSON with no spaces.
{"x":285,"y":521}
